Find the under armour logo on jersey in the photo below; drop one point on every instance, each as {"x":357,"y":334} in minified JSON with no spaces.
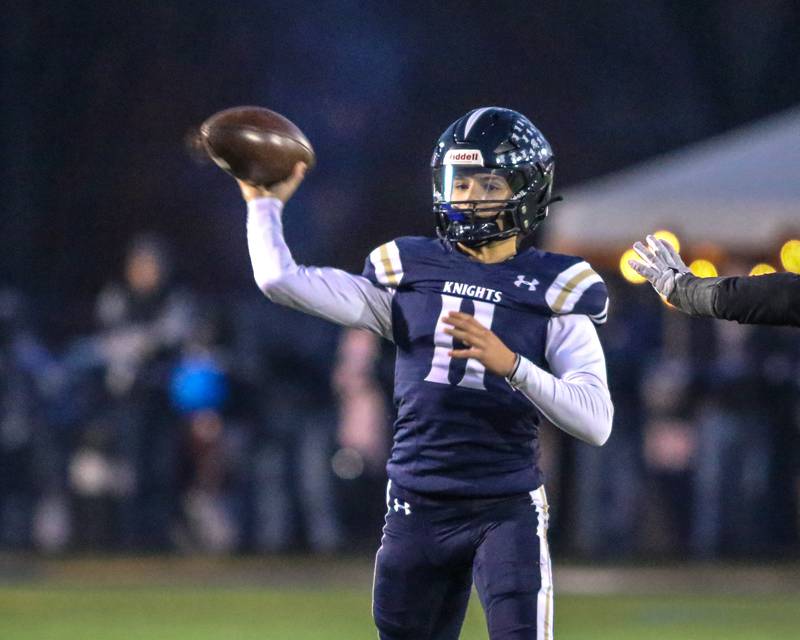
{"x":532,"y":284}
{"x":406,"y":508}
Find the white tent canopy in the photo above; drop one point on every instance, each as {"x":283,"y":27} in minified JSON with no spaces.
{"x":739,"y":191}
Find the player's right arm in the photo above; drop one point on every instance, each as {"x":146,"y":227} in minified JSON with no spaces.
{"x":332,"y":294}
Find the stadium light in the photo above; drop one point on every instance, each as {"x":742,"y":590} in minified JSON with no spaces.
{"x":790,"y":256}
{"x":762,"y":268}
{"x":670,"y":237}
{"x":703,"y":268}
{"x":627,"y":272}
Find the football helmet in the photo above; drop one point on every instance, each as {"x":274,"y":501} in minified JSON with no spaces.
{"x":492,"y":177}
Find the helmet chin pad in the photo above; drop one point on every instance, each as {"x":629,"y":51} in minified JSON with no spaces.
{"x":466,"y":227}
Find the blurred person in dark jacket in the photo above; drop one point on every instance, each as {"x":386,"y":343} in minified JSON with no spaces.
{"x":142,"y":322}
{"x":743,"y":386}
{"x":143,"y":318}
{"x":287,"y":358}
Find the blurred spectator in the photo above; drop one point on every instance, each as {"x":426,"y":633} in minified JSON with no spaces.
{"x":142,"y":322}
{"x":363,"y":382}
{"x":100,"y":477}
{"x":214,"y":438}
{"x":668,"y":450}
{"x":22,"y":427}
{"x":743,"y":411}
{"x":609,"y":480}
{"x":287,"y":359}
{"x":143,"y":318}
{"x":363,"y":414}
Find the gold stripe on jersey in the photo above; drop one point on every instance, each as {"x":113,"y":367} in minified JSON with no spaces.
{"x":386,"y":262}
{"x":558,"y":305}
{"x":388,"y":269}
{"x":569,"y":285}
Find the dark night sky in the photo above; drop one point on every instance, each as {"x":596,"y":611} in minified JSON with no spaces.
{"x":97,"y":98}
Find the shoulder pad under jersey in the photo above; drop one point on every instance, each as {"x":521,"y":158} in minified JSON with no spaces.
{"x":575,"y":288}
{"x":387,"y":264}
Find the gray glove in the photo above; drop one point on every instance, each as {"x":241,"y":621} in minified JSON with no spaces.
{"x":665,"y":270}
{"x":661,"y":265}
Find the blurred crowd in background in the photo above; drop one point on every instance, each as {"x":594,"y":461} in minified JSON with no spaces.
{"x":191,"y":423}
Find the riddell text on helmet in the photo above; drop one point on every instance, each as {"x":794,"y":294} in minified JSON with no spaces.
{"x":464,"y":156}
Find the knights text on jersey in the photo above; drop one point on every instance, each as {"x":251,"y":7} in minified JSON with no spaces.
{"x":460,"y":430}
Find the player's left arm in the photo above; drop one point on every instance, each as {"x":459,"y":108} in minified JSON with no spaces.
{"x":574,"y":397}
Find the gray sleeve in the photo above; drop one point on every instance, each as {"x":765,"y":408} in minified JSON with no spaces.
{"x":332,"y":294}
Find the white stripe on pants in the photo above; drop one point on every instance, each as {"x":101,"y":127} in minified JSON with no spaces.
{"x":544,"y":606}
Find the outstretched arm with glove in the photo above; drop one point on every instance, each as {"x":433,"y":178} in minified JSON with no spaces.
{"x":768,"y":299}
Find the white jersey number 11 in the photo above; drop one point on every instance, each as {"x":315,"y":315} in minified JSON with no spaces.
{"x":440,"y":367}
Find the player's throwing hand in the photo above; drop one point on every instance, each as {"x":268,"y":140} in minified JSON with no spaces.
{"x":482,"y":344}
{"x":661,"y":265}
{"x":282,"y":190}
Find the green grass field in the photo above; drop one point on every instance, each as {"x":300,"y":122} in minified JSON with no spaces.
{"x":301,"y":597}
{"x":259,"y":613}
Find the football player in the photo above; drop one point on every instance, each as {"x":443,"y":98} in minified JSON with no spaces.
{"x":768,"y":299}
{"x":489,"y":340}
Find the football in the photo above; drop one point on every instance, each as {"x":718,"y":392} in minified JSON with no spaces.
{"x":255,"y":144}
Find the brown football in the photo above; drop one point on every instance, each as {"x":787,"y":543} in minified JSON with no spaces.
{"x":255,"y":144}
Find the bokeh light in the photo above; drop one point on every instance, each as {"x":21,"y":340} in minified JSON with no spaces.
{"x":347,"y":464}
{"x":627,"y":271}
{"x":670,"y":237}
{"x":703,"y":268}
{"x":790,"y":256}
{"x":762,"y":268}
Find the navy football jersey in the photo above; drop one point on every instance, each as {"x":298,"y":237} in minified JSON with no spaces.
{"x":460,"y":430}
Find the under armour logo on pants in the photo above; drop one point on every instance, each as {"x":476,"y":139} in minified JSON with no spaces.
{"x":402,"y":505}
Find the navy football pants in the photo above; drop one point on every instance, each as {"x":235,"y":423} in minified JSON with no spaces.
{"x":432,"y":550}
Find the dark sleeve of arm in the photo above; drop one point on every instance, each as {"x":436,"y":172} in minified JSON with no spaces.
{"x":767,"y":299}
